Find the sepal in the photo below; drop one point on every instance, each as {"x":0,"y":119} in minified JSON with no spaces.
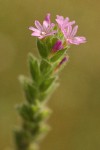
{"x":46,"y":84}
{"x":44,"y":96}
{"x":42,"y":48}
{"x":34,"y":68}
{"x":26,"y":112}
{"x":29,"y":89}
{"x":22,"y":139}
{"x":58,"y":56}
{"x":45,"y":67}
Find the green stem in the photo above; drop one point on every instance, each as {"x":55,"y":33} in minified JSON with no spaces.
{"x":37,"y":89}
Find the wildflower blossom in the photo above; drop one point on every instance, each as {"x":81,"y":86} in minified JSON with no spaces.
{"x":44,"y":30}
{"x":58,"y":46}
{"x":69,"y":34}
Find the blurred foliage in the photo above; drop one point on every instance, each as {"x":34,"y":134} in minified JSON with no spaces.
{"x":76,"y":103}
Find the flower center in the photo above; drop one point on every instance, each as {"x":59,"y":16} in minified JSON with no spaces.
{"x":43,"y":33}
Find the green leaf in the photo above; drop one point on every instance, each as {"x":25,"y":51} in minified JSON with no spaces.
{"x":26,"y":112}
{"x":46,"y":84}
{"x":34,"y":68}
{"x":30,"y":90}
{"x":43,"y":48}
{"x":33,"y":128}
{"x":45,"y":67}
{"x":44,"y":96}
{"x":22,"y":139}
{"x":58,"y":55}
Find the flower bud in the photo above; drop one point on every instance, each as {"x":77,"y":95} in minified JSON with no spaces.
{"x":62,"y":62}
{"x":58,"y":46}
{"x":65,"y":59}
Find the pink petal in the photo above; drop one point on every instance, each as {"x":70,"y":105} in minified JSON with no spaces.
{"x":52,"y":24}
{"x":74,"y":31}
{"x":63,"y":22}
{"x":80,"y":39}
{"x":47,"y":18}
{"x":51,"y":33}
{"x":77,"y":40}
{"x":35,"y":34}
{"x":71,"y":23}
{"x":60,"y":17}
{"x":68,"y":31}
{"x":45,"y":24}
{"x":50,"y":27}
{"x":60,"y":20}
{"x":34,"y":29}
{"x":38,"y":25}
{"x":66,"y":19}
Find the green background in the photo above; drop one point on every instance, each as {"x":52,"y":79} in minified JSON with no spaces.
{"x":75,"y":120}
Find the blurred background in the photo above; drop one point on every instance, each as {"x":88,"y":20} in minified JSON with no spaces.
{"x":75,"y":120}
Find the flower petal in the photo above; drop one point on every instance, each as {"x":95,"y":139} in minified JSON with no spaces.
{"x":50,"y":33}
{"x":66,"y":19}
{"x":47,"y":18}
{"x":38,"y":25}
{"x":77,"y":40}
{"x":52,"y":25}
{"x":45,"y":25}
{"x":71,"y":23}
{"x":34,"y":29}
{"x":35,"y":34}
{"x":74,"y":31}
{"x":60,"y":20}
{"x":68,"y":31}
{"x":60,"y":17}
{"x":49,"y":28}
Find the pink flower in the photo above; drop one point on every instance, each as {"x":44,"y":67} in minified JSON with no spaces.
{"x":58,"y":46}
{"x":70,"y":37}
{"x":63,"y":22}
{"x":44,"y":30}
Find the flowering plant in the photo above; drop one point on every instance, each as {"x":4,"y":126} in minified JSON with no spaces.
{"x":53,"y":41}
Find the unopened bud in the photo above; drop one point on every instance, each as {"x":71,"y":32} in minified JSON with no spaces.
{"x":58,"y":46}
